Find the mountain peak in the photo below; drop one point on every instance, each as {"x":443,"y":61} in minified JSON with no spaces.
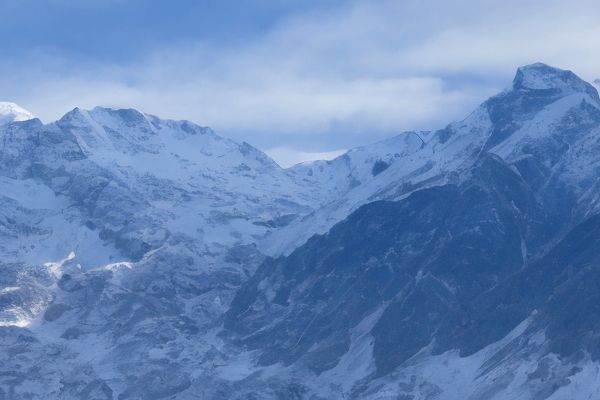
{"x":11,"y":112}
{"x":540,"y":76}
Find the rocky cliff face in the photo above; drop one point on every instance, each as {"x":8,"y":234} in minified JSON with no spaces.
{"x":454,"y":268}
{"x":144,"y":258}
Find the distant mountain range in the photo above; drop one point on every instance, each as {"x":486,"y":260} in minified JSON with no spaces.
{"x":143,"y":258}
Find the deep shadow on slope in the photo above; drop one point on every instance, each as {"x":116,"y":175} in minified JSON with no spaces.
{"x":425,"y":259}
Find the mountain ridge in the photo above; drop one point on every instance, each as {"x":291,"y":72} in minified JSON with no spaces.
{"x":150,"y":258}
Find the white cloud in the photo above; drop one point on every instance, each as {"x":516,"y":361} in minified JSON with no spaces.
{"x":319,"y":81}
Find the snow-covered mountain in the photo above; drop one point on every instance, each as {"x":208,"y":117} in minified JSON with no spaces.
{"x":475,"y":282}
{"x":455,"y":264}
{"x":540,"y":109}
{"x":10,"y":112}
{"x":105,"y":197}
{"x":117,"y":183}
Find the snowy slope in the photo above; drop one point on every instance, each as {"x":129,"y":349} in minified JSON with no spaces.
{"x":114,"y":224}
{"x":357,"y":166}
{"x":538,"y":113}
{"x":135,"y":178}
{"x":10,"y":112}
{"x":108,"y":188}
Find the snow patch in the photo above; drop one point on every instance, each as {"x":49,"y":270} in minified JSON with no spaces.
{"x":11,"y":112}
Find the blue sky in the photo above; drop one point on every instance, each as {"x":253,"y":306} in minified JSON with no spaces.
{"x":123,"y":31}
{"x":292,"y":77}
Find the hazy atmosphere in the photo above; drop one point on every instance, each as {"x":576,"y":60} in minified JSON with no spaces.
{"x":292,"y":78}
